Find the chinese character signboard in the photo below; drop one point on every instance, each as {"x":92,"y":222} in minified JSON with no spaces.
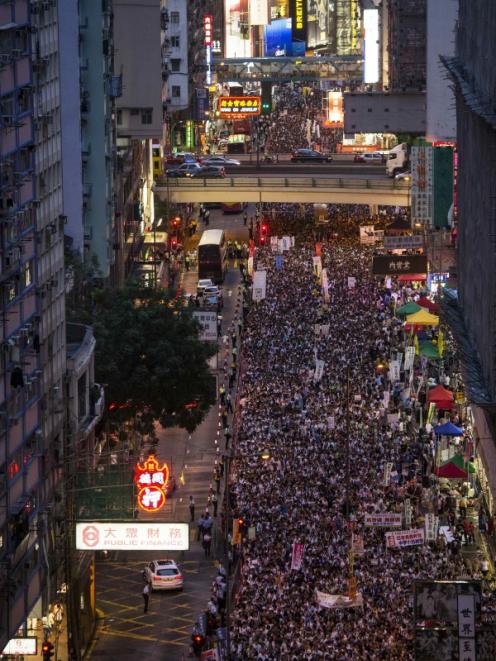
{"x":134,"y":535}
{"x":208,"y":325}
{"x":385,"y":519}
{"x":151,"y":479}
{"x":401,"y":265}
{"x":403,"y":242}
{"x":403,"y":538}
{"x":239,"y":107}
{"x":422,"y":185}
{"x":207,"y":29}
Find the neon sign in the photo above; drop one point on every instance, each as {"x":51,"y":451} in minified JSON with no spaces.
{"x":151,"y":479}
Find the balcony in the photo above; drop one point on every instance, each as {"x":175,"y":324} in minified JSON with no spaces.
{"x":96,"y":410}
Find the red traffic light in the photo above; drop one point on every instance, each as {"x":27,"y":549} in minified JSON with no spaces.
{"x":47,"y":650}
{"x":262,"y":240}
{"x":265,"y":227}
{"x":174,"y":243}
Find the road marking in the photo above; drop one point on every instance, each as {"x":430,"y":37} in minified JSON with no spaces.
{"x":136,"y":636}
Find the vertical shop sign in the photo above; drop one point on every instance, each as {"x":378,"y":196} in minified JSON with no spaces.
{"x":299,"y":20}
{"x":422,"y":185}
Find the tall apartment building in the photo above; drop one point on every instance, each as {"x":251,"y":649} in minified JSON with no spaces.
{"x":97,"y":236}
{"x":139,"y":119}
{"x":407,"y":45}
{"x":473,"y":74}
{"x":32,"y":299}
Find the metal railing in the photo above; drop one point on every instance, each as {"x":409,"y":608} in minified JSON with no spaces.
{"x":305,"y":183}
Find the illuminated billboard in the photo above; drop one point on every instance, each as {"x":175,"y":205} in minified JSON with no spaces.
{"x":239,"y":107}
{"x":259,"y":12}
{"x":278,"y":39}
{"x":335,"y":114}
{"x":237,"y":39}
{"x":132,"y":536}
{"x":371,"y":45}
{"x":321,"y":24}
{"x":298,"y":13}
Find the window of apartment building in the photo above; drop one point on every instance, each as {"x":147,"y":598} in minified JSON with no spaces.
{"x":119,"y":117}
{"x":146,"y":116}
{"x":174,"y":17}
{"x":175,"y":42}
{"x":27,"y":274}
{"x":175,"y":64}
{"x":176,"y":91}
{"x":81,"y":395}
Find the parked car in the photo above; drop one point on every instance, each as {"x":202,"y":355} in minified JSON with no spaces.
{"x":184,"y":170}
{"x":181,"y":157}
{"x":210,"y":172}
{"x":370,"y":157}
{"x":163,"y":575}
{"x":221,"y":161}
{"x":202,"y":284}
{"x":309,"y":156}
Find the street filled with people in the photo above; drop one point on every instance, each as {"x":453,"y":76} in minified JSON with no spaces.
{"x":345,"y":440}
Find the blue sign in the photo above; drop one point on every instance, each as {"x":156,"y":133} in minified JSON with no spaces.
{"x":278,"y":39}
{"x":279,"y":261}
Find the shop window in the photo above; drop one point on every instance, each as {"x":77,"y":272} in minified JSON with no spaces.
{"x":175,"y":41}
{"x":176,"y":91}
{"x":175,"y":64}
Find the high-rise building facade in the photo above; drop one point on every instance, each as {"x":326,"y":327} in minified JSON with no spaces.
{"x":33,"y":217}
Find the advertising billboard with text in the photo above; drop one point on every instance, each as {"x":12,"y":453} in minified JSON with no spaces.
{"x":132,"y":536}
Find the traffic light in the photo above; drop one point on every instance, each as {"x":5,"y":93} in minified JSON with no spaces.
{"x":47,"y":650}
{"x":266,"y":98}
{"x":198,"y":642}
{"x":265,"y":228}
{"x":175,"y":222}
{"x":174,"y":243}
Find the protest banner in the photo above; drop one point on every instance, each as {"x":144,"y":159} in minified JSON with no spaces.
{"x":387,"y":473}
{"x":259,"y":285}
{"x":384,"y":520}
{"x":431,"y":525}
{"x":297,"y":555}
{"x":338,"y":600}
{"x":357,"y":545}
{"x":399,"y":539}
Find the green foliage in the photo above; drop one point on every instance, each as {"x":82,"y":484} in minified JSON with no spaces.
{"x":149,"y":355}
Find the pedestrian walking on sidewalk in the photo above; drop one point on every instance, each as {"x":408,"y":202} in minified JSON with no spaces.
{"x":146,"y":597}
{"x":192,"y":508}
{"x":229,"y":406}
{"x":217,"y":480}
{"x":215,"y":502}
{"x":201,"y":529}
{"x":222,"y":394}
{"x":207,"y":544}
{"x":245,"y":218}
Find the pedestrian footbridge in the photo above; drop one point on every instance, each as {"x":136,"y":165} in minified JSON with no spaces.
{"x":296,"y":190}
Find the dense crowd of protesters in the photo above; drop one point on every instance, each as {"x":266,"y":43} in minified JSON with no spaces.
{"x":313,"y":428}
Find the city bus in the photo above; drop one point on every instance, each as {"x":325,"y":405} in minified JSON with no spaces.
{"x":156,"y":160}
{"x":212,"y":256}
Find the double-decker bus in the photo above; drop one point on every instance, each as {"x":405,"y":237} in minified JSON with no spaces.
{"x":212,"y":257}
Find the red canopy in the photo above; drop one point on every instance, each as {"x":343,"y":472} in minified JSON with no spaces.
{"x":441,"y":397}
{"x":454,"y":468}
{"x":425,"y":302}
{"x":411,"y":277}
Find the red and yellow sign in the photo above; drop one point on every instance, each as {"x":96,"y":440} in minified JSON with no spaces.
{"x":239,"y":107}
{"x":151,"y":479}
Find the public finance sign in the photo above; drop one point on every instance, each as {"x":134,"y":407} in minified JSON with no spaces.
{"x":239,"y":107}
{"x":402,"y":265}
{"x":134,"y":536}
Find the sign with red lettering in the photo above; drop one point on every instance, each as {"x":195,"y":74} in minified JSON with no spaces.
{"x":132,"y":535}
{"x":239,"y":107}
{"x":151,"y":479}
{"x":207,"y":28}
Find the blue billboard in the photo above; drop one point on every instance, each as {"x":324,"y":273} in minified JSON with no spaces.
{"x":278,"y":38}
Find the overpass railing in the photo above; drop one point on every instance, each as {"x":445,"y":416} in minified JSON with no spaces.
{"x":301,"y":183}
